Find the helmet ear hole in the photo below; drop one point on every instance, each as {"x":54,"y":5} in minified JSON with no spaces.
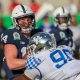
{"x":40,"y":49}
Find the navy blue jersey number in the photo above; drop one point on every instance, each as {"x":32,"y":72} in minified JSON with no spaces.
{"x":60,"y":57}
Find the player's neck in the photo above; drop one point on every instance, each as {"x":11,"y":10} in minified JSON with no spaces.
{"x":27,"y":35}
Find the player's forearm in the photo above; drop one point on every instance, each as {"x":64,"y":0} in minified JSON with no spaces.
{"x":16,"y":64}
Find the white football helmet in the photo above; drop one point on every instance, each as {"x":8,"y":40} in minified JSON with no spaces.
{"x":41,"y":41}
{"x":61,"y":14}
{"x":21,"y":11}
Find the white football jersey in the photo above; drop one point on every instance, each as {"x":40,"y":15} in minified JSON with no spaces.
{"x":53,"y":64}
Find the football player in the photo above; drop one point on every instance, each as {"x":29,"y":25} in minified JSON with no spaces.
{"x":62,"y":33}
{"x":15,"y":41}
{"x":49,"y":62}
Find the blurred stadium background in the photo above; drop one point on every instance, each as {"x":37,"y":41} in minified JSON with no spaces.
{"x":43,"y":10}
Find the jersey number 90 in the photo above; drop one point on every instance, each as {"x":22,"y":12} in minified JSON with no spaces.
{"x":60,"y":57}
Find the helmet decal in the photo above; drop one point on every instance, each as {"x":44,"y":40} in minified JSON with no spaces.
{"x":23,"y":8}
{"x":63,"y":10}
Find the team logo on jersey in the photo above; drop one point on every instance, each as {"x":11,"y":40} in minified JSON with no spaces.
{"x":16,"y":36}
{"x":62,"y":35}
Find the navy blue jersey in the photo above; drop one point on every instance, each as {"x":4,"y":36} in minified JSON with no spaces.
{"x":63,"y":37}
{"x":13,"y":36}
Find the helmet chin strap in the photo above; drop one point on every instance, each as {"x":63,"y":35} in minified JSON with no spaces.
{"x":63,"y":26}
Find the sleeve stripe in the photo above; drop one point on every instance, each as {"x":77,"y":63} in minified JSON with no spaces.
{"x":39,"y":72}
